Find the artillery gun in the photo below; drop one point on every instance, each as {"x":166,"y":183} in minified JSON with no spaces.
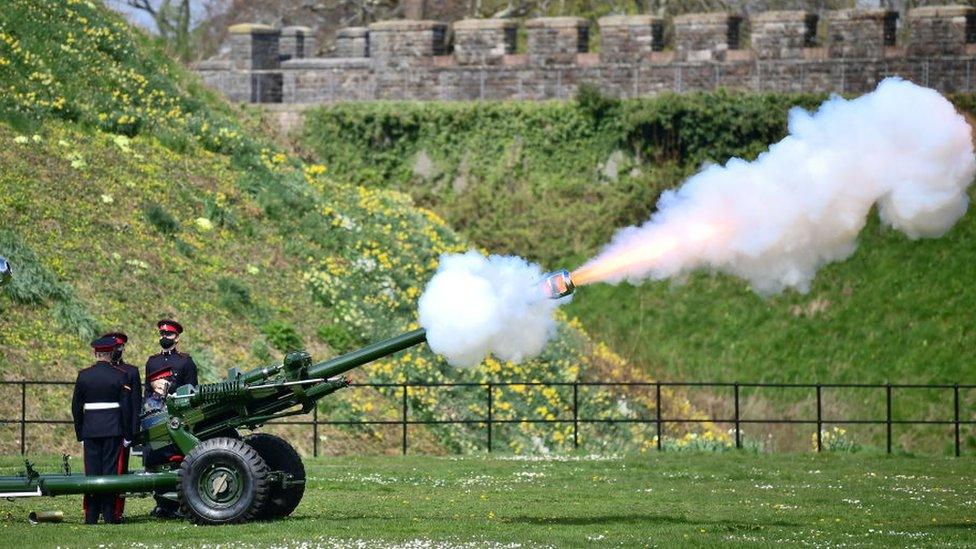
{"x":219,"y":476}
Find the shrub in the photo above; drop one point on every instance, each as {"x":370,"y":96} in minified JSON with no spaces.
{"x":337,"y":336}
{"x":234,"y":296}
{"x":158,"y":217}
{"x":260,"y":351}
{"x":590,"y":99}
{"x":281,"y":335}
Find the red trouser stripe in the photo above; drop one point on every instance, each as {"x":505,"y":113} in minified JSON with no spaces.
{"x":120,"y":468}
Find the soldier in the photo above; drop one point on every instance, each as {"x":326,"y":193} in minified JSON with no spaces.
{"x":177,"y":369}
{"x":101,"y":407}
{"x":176,"y":366}
{"x":132,"y":380}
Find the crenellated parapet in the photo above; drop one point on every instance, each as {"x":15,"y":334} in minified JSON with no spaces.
{"x":406,"y":42}
{"x":705,"y":36}
{"x":296,"y":43}
{"x":484,"y":41}
{"x":941,"y":30}
{"x":557,"y":40}
{"x":477,"y":59}
{"x":861,"y":33}
{"x":630,"y":38}
{"x":783,"y":34}
{"x":352,"y":42}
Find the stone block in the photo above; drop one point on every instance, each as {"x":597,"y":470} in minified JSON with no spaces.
{"x":705,"y":36}
{"x":296,"y":43}
{"x":940,"y":30}
{"x":630,"y":38}
{"x":557,"y":40}
{"x":254,"y":46}
{"x":352,"y":42}
{"x":484,"y":41}
{"x":783,"y":34}
{"x":860,"y":33}
{"x":401,"y":43}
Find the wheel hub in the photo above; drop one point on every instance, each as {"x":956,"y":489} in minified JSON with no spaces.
{"x":220,"y":485}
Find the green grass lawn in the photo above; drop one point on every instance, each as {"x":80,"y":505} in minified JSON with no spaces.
{"x":567,"y":501}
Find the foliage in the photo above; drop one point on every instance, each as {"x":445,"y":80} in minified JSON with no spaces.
{"x":665,"y":499}
{"x":162,"y":220}
{"x":339,"y":337}
{"x":35,"y":284}
{"x":834,"y":439}
{"x":281,"y":335}
{"x":578,"y":169}
{"x":234,"y":295}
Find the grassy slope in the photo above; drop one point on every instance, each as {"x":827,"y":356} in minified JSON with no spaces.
{"x":662,"y":500}
{"x":258,"y":250}
{"x":899,"y":310}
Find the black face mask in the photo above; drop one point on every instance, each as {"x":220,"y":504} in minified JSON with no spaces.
{"x":166,"y":342}
{"x":116,"y":356}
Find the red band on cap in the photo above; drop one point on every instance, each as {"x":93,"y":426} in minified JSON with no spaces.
{"x":165,"y":372}
{"x":104,"y":348}
{"x":168,"y":328}
{"x":119,"y":341}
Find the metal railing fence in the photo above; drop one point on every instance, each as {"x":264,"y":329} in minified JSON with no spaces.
{"x":654,"y":387}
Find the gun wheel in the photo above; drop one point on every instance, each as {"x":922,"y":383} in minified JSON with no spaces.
{"x":222,"y":481}
{"x":280,"y":456}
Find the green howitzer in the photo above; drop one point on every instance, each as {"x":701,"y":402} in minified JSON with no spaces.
{"x":217,"y":475}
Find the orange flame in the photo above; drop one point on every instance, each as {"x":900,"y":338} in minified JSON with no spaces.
{"x":639,"y":256}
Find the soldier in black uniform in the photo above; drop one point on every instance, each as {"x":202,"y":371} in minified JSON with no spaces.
{"x":179,"y":369}
{"x":101,"y":407}
{"x":132,"y":380}
{"x":176,"y":366}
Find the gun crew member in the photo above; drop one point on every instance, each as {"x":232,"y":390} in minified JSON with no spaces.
{"x":101,"y":408}
{"x":178,"y":368}
{"x":165,"y":372}
{"x":135,"y":383}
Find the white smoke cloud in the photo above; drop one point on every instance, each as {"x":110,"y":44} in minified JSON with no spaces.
{"x":802,"y":203}
{"x":475,"y":305}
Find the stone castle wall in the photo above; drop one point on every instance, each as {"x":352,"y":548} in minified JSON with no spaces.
{"x":411,"y":60}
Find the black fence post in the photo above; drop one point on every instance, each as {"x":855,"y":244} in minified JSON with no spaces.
{"x":23,"y":417}
{"x":576,"y":414}
{"x":888,"y":417}
{"x":819,"y":419}
{"x":738,"y":432}
{"x":657,"y":412}
{"x":489,"y":416}
{"x":315,"y":431}
{"x":955,"y":406}
{"x":403,"y":420}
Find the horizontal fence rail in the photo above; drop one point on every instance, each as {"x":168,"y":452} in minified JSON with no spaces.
{"x":653,"y":387}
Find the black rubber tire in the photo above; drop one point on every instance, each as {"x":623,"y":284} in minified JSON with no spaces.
{"x":280,"y":456}
{"x":251,"y":480}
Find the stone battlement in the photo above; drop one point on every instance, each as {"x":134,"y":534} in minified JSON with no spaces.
{"x":413,"y":59}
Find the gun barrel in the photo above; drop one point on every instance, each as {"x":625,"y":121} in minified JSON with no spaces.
{"x":367,"y":354}
{"x":56,"y":485}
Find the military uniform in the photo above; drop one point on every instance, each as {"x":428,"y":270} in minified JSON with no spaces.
{"x":132,"y":377}
{"x":179,"y":369}
{"x":101,"y":408}
{"x":135,"y":383}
